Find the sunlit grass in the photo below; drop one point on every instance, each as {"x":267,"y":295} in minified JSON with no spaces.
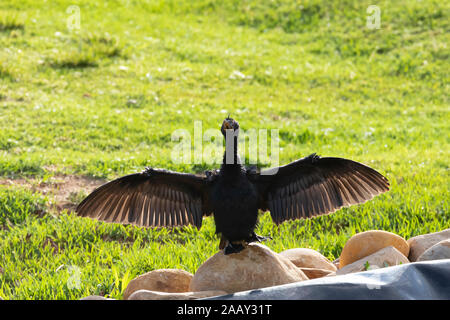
{"x":104,"y":101}
{"x":10,"y":20}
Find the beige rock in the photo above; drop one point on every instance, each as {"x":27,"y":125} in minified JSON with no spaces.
{"x":336,"y":263}
{"x":308,"y":258}
{"x":164,"y":280}
{"x":156,"y":295}
{"x":385,"y":257}
{"x":95,"y":297}
{"x":365,"y":243}
{"x":421,"y":243}
{"x":254,"y":267}
{"x":440,"y":250}
{"x":313,"y":273}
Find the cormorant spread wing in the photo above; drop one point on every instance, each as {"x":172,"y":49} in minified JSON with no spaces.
{"x":314,"y":186}
{"x":305,"y":188}
{"x":154,"y":197}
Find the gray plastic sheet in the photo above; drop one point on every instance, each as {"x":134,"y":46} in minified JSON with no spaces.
{"x":418,"y":280}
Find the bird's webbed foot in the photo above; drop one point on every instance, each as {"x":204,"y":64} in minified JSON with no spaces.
{"x":236,"y":247}
{"x":233,"y":248}
{"x":254,"y":237}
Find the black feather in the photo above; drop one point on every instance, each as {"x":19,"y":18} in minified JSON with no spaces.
{"x":304,"y":188}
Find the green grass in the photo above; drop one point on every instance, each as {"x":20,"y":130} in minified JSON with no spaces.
{"x":10,"y":21}
{"x":104,"y":100}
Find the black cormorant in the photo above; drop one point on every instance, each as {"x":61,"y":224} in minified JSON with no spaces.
{"x":304,"y":188}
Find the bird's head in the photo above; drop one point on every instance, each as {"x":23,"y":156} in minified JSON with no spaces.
{"x":229,"y":124}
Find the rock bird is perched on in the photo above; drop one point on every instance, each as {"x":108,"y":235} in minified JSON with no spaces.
{"x":304,"y":188}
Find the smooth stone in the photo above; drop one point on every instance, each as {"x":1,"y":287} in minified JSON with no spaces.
{"x":421,"y":243}
{"x":156,"y":295}
{"x":365,"y":243}
{"x":308,"y":258}
{"x":254,"y":267}
{"x":336,"y":263}
{"x":385,"y":257}
{"x":440,"y":250}
{"x":313,"y":273}
{"x":163,"y":280}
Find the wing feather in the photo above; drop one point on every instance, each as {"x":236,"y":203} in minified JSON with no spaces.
{"x":314,"y":186}
{"x":154,"y":197}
